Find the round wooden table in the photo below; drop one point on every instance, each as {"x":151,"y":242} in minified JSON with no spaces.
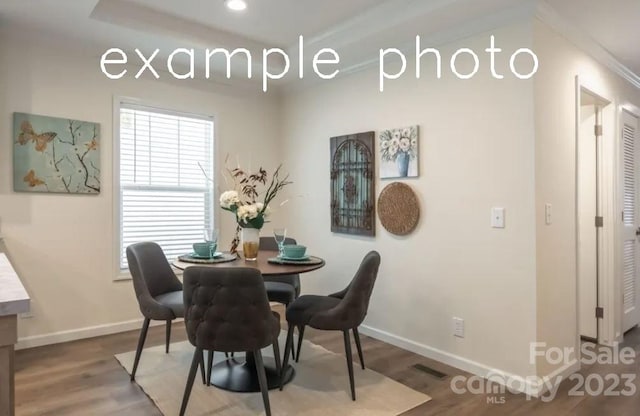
{"x":241,"y":376}
{"x":262,"y":264}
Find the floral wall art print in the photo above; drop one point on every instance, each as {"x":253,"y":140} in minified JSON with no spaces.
{"x":55,"y":155}
{"x":399,"y":156}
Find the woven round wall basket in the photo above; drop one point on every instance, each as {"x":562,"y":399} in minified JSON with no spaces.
{"x":398,"y":209}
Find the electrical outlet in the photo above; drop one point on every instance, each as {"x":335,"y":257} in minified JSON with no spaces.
{"x":26,"y":315}
{"x":548,"y":219}
{"x":458,"y":327}
{"x":497,"y":217}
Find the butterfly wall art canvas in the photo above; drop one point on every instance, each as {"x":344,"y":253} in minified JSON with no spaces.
{"x":55,"y":155}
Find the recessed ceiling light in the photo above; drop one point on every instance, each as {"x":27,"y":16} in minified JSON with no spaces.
{"x":236,"y":5}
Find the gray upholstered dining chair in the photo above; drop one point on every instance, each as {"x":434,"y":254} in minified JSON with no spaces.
{"x":280,"y":289}
{"x":343,"y":312}
{"x":356,"y":334}
{"x":158,"y":290}
{"x":226,"y":309}
{"x":276,"y":290}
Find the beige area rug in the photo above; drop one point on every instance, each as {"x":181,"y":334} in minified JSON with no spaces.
{"x":320,"y":387}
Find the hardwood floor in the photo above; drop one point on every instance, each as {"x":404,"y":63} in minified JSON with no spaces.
{"x":83,"y":378}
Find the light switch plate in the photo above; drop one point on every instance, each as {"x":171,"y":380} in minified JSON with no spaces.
{"x":497,"y":217}
{"x":458,"y":327}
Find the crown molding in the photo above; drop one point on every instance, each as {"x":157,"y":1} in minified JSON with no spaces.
{"x":372,"y":21}
{"x":483,"y":24}
{"x":350,"y":34}
{"x":584,"y":41}
{"x":354,"y":31}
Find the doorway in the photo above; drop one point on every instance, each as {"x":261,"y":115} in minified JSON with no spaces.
{"x":590,"y":220}
{"x":630,"y":148}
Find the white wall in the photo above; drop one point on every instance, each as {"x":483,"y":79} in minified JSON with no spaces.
{"x":476,"y":151}
{"x":483,"y":143}
{"x":61,"y":245}
{"x":555,"y":126}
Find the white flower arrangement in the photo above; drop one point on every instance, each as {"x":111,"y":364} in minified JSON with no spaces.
{"x":229,"y":198}
{"x":395,"y":142}
{"x":249,"y":212}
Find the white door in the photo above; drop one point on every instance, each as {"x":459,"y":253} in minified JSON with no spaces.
{"x":587,"y":212}
{"x":630,"y":221}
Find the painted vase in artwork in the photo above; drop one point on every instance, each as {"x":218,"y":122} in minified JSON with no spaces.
{"x":402,"y":162}
{"x":399,"y":153}
{"x":250,"y":243}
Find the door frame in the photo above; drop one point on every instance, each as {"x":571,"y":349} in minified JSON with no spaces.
{"x":608,"y":155}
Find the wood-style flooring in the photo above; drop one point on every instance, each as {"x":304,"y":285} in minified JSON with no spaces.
{"x":83,"y":378}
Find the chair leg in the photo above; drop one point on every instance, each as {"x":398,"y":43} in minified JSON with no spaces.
{"x":347,"y":349}
{"x":262,"y":379}
{"x":202,"y":367}
{"x":356,"y":335}
{"x":197,"y":359}
{"x":168,"y":341}
{"x":143,"y":337}
{"x":293,"y":352}
{"x":276,"y":355}
{"x":210,"y":367}
{"x":288,"y":347}
{"x":300,"y":337}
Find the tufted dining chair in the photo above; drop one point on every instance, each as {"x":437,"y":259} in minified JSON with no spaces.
{"x":343,"y":312}
{"x":226,"y":309}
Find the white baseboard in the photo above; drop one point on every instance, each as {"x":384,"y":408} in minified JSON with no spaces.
{"x":557,"y":376}
{"x":87,"y":332}
{"x":532,"y":388}
{"x":526,"y":385}
{"x":81,"y":333}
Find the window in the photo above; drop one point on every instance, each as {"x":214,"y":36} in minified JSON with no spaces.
{"x":164,"y":194}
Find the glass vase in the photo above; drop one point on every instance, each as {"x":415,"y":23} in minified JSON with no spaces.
{"x":250,"y":243}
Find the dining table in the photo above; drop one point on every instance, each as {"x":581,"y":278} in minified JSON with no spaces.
{"x":234,"y":373}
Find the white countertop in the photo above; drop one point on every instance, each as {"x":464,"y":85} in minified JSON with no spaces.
{"x":14,"y":299}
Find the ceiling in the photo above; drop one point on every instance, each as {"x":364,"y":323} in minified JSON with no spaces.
{"x":614,"y":24}
{"x":277,"y":22}
{"x":357,"y":29}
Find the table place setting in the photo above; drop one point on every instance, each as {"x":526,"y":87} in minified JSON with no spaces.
{"x":272,"y":260}
{"x":205,"y":252}
{"x":291,"y":254}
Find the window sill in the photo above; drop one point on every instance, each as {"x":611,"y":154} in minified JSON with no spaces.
{"x":122,"y":276}
{"x":125,"y":276}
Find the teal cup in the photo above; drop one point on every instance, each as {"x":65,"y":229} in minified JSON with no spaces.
{"x":204,"y":249}
{"x":294,"y":251}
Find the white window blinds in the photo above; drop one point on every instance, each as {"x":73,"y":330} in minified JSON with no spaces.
{"x":164,"y":195}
